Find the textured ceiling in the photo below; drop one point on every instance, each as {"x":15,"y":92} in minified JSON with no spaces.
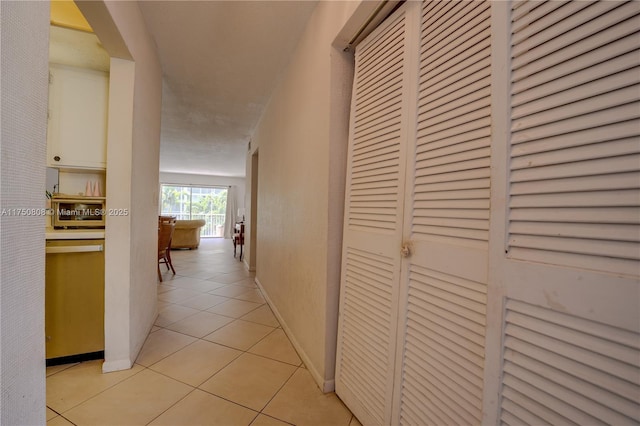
{"x":221,"y":60}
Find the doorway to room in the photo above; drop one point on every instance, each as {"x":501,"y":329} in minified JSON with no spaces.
{"x":253,"y":216}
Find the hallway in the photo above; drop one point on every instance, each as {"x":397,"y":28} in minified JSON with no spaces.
{"x":215,"y":356}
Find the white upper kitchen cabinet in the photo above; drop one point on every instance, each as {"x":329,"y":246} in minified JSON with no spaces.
{"x":77,"y":130}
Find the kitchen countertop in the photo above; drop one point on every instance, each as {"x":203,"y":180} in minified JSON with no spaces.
{"x":73,"y":234}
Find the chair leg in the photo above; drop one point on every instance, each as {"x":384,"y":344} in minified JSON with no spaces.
{"x":159,"y":273}
{"x":169,"y":263}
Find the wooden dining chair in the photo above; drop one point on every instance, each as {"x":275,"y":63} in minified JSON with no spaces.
{"x":166,"y":225}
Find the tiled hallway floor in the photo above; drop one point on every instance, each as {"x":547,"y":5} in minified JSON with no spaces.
{"x":216,"y":356}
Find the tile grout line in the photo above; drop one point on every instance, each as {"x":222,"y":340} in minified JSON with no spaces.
{"x":276,"y":394}
{"x":102,"y":391}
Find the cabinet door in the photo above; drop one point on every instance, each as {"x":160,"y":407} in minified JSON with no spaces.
{"x":78,"y":105}
{"x":373,"y":218}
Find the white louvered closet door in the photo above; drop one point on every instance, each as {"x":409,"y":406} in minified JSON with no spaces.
{"x":440,"y":357}
{"x":373,"y":218}
{"x":565,"y":252}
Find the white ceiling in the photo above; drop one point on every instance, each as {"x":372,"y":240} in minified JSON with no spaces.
{"x":221,"y":60}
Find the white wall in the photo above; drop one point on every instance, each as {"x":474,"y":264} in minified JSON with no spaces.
{"x":24,"y":71}
{"x":132,"y":178}
{"x":302,"y":142}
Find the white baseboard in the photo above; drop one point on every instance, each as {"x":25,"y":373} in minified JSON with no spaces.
{"x":325,"y":385}
{"x":116,"y":365}
{"x":126,"y":364}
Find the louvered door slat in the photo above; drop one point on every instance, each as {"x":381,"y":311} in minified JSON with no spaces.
{"x":385,"y":124}
{"x":585,"y":122}
{"x":540,"y":10}
{"x":454,"y":154}
{"x":462,"y":131}
{"x":371,"y":58}
{"x":456,"y":38}
{"x":596,"y":167}
{"x":465,"y":194}
{"x":453,"y":169}
{"x":615,"y":334}
{"x":437,"y":14}
{"x":578,"y":215}
{"x":387,"y":97}
{"x":621,"y":250}
{"x":428,"y":352}
{"x":467,"y":111}
{"x":463,"y":205}
{"x":454,"y":177}
{"x":521,"y":414}
{"x":588,"y":104}
{"x":624,"y":81}
{"x":606,"y":382}
{"x":533,"y":346}
{"x":433,"y":309}
{"x":375,"y":165}
{"x":376,"y":110}
{"x":620,"y":147}
{"x":462,"y":63}
{"x":613,"y":67}
{"x":619,"y":198}
{"x":443,"y":327}
{"x":575,"y":68}
{"x":568,"y":30}
{"x":621,"y":130}
{"x":442,"y":102}
{"x":373,"y":143}
{"x":575,"y":138}
{"x":529,"y":26}
{"x":378,"y":89}
{"x":549,"y":404}
{"x":522,"y":8}
{"x":371,"y":359}
{"x":454,"y":186}
{"x":548,"y":365}
{"x":616,"y":404}
{"x":531,"y":62}
{"x":577,"y":230}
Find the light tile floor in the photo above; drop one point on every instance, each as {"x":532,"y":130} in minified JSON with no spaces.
{"x":215,"y":356}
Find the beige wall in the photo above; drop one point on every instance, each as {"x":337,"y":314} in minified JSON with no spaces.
{"x":302,"y":141}
{"x":145,"y":157}
{"x":132,"y":178}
